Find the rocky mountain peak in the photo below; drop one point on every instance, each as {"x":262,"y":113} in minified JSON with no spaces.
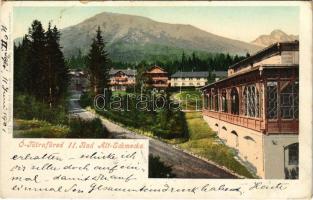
{"x":276,"y":35}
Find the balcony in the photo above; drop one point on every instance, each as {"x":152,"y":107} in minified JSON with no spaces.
{"x":251,"y":123}
{"x":122,"y":83}
{"x":158,"y":78}
{"x":257,"y":124}
{"x":121,"y":79}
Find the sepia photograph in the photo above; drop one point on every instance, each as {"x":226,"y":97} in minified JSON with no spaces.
{"x":215,"y":89}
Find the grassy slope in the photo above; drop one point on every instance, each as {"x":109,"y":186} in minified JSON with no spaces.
{"x":38,"y":129}
{"x":189,"y":99}
{"x":204,"y":142}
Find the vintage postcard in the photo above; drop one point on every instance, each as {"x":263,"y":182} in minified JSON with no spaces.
{"x":156,"y":100}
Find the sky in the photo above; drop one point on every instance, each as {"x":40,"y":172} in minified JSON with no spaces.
{"x":243,"y":23}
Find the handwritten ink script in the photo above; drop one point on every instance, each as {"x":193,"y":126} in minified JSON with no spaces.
{"x":93,"y":167}
{"x":4,"y":77}
{"x":68,"y":165}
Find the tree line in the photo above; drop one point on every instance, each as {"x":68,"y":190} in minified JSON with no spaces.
{"x":40,"y":69}
{"x":41,"y":79}
{"x":192,"y":62}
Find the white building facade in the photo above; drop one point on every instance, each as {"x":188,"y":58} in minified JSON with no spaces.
{"x":192,"y":79}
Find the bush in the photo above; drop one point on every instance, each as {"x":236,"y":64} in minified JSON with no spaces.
{"x":164,"y":123}
{"x":157,"y":169}
{"x":80,"y":128}
{"x":170,"y":124}
{"x":85,"y":100}
{"x":27,"y":107}
{"x":129,"y":89}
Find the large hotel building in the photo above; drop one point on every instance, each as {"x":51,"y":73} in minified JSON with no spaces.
{"x":255,"y":110}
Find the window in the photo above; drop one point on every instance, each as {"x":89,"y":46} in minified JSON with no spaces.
{"x":292,"y":161}
{"x":211,"y":101}
{"x":289,"y":101}
{"x":284,"y":104}
{"x":224,"y":101}
{"x":234,"y":101}
{"x":216,"y":106}
{"x":206,"y":103}
{"x":293,"y":154}
{"x":251,"y":101}
{"x":272,"y":100}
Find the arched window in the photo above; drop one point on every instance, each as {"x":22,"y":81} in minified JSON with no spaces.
{"x":251,"y":101}
{"x":224,"y":101}
{"x":224,"y":128}
{"x":237,"y":141}
{"x":234,"y":101}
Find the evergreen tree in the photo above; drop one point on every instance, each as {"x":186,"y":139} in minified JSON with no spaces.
{"x":77,"y":62}
{"x":22,"y":69}
{"x":236,"y":58}
{"x":183,"y":61}
{"x":50,"y":84}
{"x":57,"y":72}
{"x":194,"y":62}
{"x":141,"y":79}
{"x":98,"y":65}
{"x":37,"y":60}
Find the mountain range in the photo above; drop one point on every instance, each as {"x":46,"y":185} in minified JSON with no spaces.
{"x":133,"y":38}
{"x":274,"y":36}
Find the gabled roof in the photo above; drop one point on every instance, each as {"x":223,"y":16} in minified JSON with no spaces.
{"x":257,"y":68}
{"x":156,"y":67}
{"x":268,"y":51}
{"x":128,"y":72}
